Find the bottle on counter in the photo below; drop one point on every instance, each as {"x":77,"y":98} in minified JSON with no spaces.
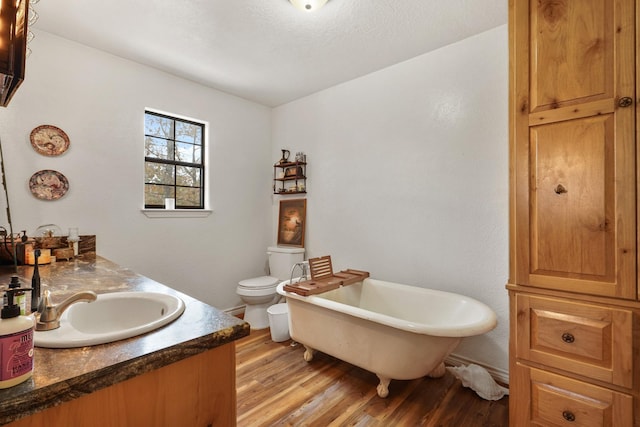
{"x":16,"y":343}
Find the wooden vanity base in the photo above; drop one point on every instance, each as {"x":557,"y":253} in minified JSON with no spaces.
{"x":197,"y":391}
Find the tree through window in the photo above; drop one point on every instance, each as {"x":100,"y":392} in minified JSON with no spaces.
{"x":174,"y":166}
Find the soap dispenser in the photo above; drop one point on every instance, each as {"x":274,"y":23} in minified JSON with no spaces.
{"x":16,"y":343}
{"x":18,"y":296}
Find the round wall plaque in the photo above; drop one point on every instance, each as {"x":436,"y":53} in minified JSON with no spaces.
{"x":49,"y":140}
{"x":48,"y":185}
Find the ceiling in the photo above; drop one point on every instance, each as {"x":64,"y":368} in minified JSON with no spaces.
{"x":268,"y":51}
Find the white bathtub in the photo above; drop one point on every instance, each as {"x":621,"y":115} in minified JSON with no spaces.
{"x":395,"y":331}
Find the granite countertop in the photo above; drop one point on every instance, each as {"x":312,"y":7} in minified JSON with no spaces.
{"x":61,"y":375}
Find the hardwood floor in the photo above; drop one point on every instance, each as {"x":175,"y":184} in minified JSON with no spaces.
{"x":276,"y":387}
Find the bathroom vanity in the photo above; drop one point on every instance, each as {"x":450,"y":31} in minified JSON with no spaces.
{"x":180,"y":374}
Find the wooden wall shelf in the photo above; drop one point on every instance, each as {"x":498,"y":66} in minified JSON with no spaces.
{"x":290,"y":178}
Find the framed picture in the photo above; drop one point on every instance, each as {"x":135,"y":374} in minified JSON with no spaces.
{"x":291,"y":221}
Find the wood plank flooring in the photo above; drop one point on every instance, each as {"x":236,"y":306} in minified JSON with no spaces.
{"x":276,"y":387}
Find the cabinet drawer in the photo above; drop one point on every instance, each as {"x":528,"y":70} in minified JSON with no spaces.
{"x":587,"y":339}
{"x":554,"y":400}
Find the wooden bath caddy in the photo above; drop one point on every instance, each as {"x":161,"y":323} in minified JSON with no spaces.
{"x":323,"y":278}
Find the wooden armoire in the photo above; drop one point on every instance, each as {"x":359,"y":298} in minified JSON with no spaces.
{"x":573,"y":281}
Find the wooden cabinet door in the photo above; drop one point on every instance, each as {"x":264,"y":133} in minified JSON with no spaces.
{"x":591,"y":340}
{"x":573,"y":145}
{"x":553,"y":400}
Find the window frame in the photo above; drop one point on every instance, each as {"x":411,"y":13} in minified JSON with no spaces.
{"x":179,"y":210}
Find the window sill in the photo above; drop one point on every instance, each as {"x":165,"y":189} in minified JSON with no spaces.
{"x":176,"y":213}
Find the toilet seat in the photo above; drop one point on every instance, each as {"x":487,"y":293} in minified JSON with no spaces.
{"x":259,"y":283}
{"x":259,"y":293}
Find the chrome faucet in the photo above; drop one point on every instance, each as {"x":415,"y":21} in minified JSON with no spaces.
{"x":304,"y":266}
{"x":48,"y":315}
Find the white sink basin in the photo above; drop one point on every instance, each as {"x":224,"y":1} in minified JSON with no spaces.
{"x":111,"y":317}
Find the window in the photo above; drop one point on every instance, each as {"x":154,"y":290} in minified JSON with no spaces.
{"x":173,"y":162}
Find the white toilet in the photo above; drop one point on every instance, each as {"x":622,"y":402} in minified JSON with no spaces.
{"x":259,"y":293}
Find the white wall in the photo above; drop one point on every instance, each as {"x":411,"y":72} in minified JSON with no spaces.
{"x":99,"y":100}
{"x":407,"y":178}
{"x":408,"y":175}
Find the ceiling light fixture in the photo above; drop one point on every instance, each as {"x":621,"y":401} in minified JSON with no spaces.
{"x":13,"y":43}
{"x":308,"y":5}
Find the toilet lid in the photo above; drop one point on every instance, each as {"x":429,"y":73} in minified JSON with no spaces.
{"x":259,"y":282}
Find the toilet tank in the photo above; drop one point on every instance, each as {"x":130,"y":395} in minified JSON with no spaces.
{"x":281,"y":259}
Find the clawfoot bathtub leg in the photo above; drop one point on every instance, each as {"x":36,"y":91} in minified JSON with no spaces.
{"x":308,"y":354}
{"x":383,"y":387}
{"x":438,"y":371}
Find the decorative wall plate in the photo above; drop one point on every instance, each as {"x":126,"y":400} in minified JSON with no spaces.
{"x":48,"y":185}
{"x":49,"y":140}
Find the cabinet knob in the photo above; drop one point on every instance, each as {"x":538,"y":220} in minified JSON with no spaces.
{"x":625,"y":101}
{"x":569,"y":416}
{"x":560,"y":189}
{"x":568,"y":338}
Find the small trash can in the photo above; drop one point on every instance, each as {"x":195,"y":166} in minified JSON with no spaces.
{"x":279,"y":322}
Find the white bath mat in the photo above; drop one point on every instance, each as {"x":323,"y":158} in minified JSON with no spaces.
{"x":479,"y":380}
